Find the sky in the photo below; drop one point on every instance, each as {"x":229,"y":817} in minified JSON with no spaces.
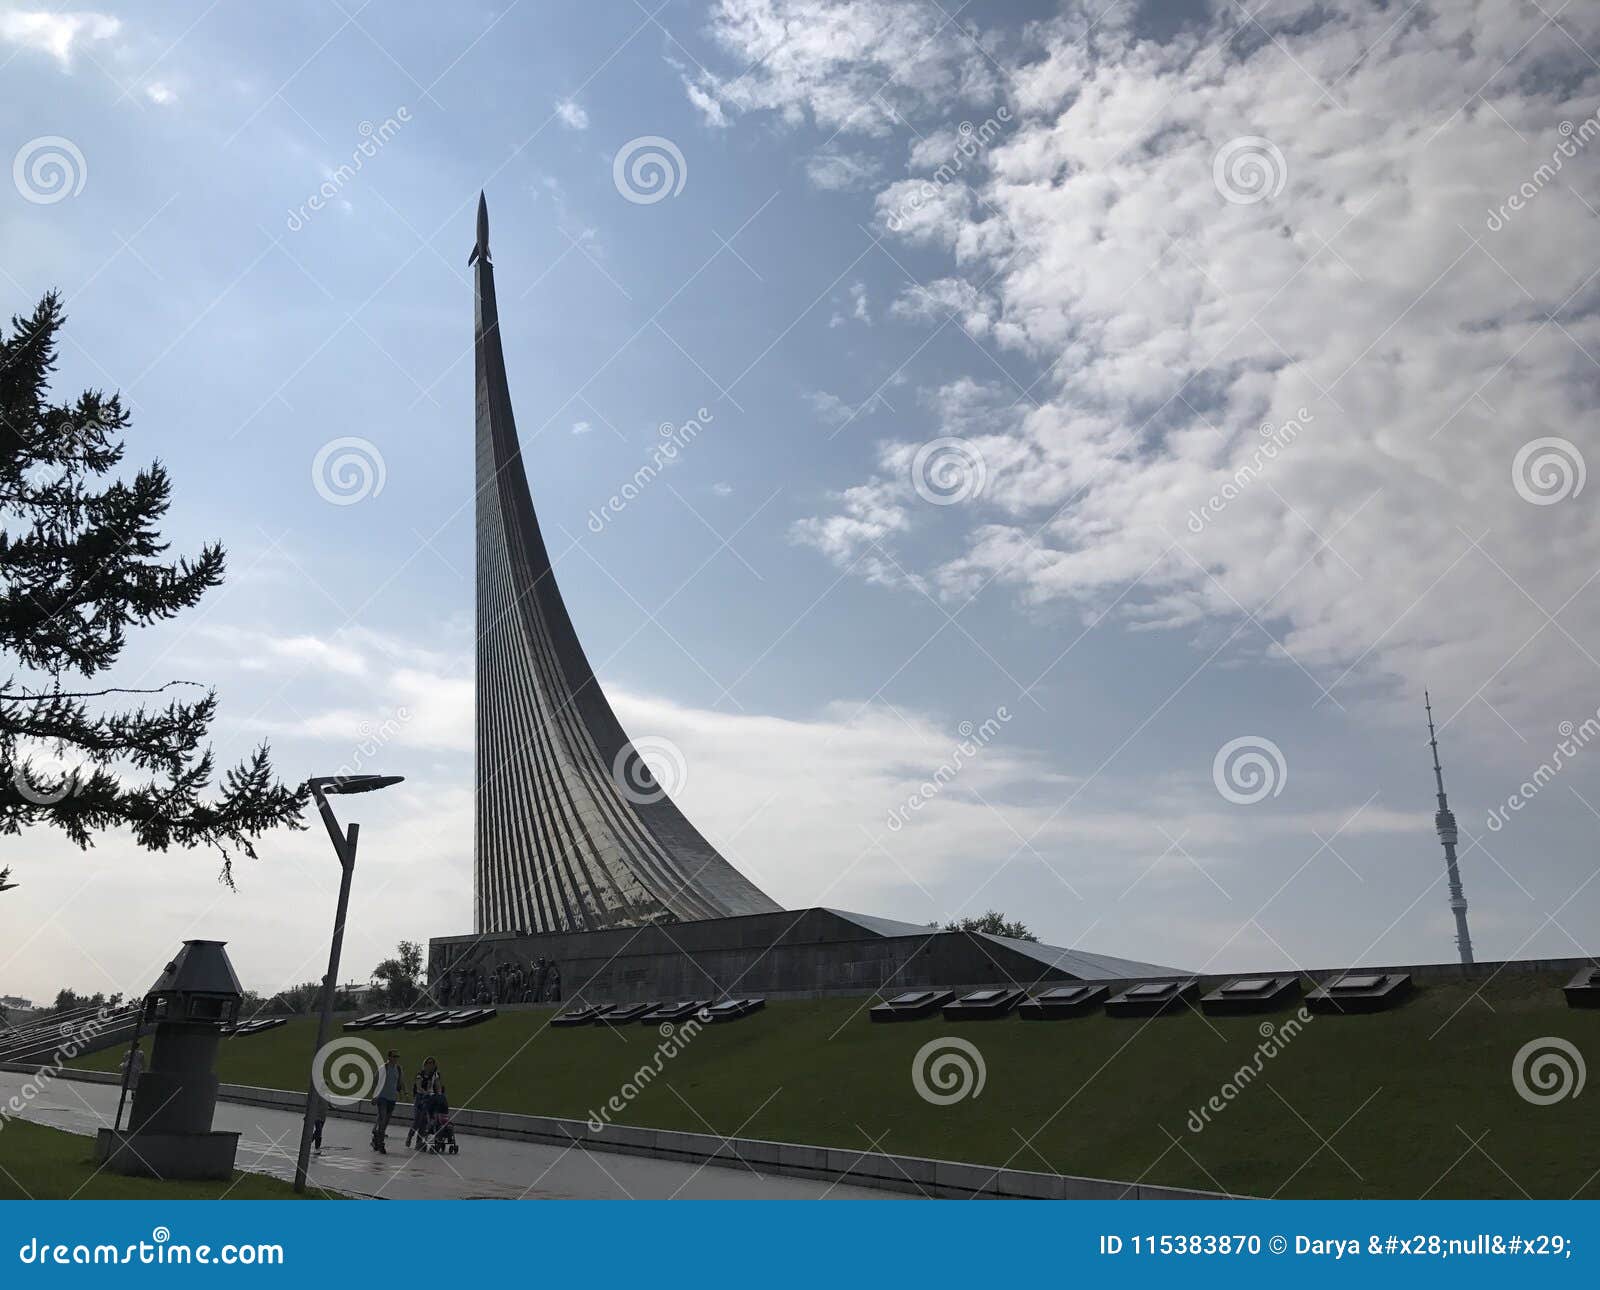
{"x":1111,"y":416}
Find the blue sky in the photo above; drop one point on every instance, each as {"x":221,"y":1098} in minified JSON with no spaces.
{"x":1100,"y":260}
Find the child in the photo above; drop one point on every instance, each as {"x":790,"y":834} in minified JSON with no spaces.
{"x":444,"y":1136}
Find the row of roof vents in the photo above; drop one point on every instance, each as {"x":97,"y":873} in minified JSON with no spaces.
{"x":255,"y":1027}
{"x":655,"y":1013}
{"x":439,"y":1019}
{"x":1349,"y":993}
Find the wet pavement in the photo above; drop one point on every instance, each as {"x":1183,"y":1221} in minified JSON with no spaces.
{"x":485,"y":1168}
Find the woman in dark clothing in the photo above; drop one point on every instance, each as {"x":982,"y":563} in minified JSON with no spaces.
{"x":424,"y":1088}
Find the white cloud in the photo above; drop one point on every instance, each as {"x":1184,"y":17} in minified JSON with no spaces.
{"x":409,"y":709}
{"x":830,"y":407}
{"x":55,"y":34}
{"x":581,"y":427}
{"x":837,"y":171}
{"x":572,"y":115}
{"x":943,"y":299}
{"x":440,"y":707}
{"x":802,"y":804}
{"x":161,"y":93}
{"x":1161,"y":325}
{"x":409,"y":694}
{"x":287,"y":655}
{"x":854,"y":535}
{"x":836,"y":412}
{"x":860,"y":309}
{"x":706,"y":103}
{"x":856,"y":68}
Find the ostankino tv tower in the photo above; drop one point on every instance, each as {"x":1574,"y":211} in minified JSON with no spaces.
{"x":1444,"y":821}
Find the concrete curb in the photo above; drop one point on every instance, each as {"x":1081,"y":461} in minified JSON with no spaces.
{"x":914,"y":1175}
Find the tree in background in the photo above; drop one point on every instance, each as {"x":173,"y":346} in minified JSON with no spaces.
{"x":72,"y":1001}
{"x":995,"y":923}
{"x":400,"y":977}
{"x":82,"y":560}
{"x":304,"y":999}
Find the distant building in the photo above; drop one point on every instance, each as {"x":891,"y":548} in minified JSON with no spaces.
{"x":13,"y":1002}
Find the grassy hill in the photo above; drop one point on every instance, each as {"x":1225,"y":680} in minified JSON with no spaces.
{"x":41,"y":1163}
{"x":1414,"y":1102}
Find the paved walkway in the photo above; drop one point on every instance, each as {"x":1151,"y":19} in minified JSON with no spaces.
{"x":486,"y":1167}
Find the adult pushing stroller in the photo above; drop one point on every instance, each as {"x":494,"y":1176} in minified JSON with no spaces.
{"x":439,"y":1135}
{"x":430,"y":1117}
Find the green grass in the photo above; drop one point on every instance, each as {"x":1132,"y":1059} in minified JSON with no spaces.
{"x":41,"y":1163}
{"x":1400,"y":1096}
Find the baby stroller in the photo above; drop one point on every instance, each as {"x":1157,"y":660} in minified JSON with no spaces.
{"x":438,"y":1135}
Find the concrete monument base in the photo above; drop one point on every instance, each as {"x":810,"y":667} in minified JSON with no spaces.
{"x":167,"y":1155}
{"x":801,"y":952}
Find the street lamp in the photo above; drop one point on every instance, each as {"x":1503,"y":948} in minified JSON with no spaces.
{"x":344,"y":847}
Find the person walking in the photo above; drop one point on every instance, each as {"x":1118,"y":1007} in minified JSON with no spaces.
{"x":133,"y":1067}
{"x":423,"y":1089}
{"x":388,"y":1094}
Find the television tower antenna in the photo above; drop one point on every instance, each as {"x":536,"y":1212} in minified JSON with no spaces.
{"x":1444,"y":821}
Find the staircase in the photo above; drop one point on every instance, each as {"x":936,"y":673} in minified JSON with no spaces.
{"x":61,"y":1037}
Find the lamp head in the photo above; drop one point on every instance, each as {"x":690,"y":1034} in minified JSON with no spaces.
{"x":345,"y":784}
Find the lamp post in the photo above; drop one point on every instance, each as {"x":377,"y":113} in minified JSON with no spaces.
{"x":344,"y":847}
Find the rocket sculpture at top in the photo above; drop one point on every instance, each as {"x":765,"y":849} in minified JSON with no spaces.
{"x":480,"y":248}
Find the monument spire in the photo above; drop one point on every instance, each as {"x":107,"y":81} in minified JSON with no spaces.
{"x":1444,"y":821}
{"x":480,"y":249}
{"x":575,"y":830}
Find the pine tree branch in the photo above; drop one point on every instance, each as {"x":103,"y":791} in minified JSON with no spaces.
{"x":18,"y":696}
{"x":82,"y":560}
